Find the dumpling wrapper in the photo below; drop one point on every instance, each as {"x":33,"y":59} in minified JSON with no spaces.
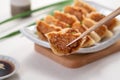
{"x":59,"y":40}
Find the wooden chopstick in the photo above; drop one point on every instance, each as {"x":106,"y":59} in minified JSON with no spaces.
{"x":101,"y":22}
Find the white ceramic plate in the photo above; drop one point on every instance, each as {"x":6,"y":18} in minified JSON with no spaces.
{"x":29,"y":32}
{"x":9,"y":60}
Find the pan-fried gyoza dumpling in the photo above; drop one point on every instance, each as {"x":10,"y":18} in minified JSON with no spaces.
{"x":102,"y":31}
{"x":77,"y":11}
{"x":89,"y":41}
{"x":65,"y":17}
{"x":81,"y":3}
{"x":59,"y":40}
{"x":52,"y":20}
{"x":43,"y":28}
{"x":96,"y":16}
{"x":82,"y":28}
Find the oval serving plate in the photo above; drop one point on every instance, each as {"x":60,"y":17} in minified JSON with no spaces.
{"x":30,"y":32}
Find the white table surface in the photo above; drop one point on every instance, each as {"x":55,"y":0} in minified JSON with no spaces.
{"x":37,"y":67}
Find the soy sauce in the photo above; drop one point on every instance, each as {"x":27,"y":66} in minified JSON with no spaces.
{"x":5,"y":68}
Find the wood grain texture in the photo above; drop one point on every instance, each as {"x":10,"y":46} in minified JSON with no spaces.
{"x":77,"y":60}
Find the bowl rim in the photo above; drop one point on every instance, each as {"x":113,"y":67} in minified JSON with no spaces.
{"x":12,"y":61}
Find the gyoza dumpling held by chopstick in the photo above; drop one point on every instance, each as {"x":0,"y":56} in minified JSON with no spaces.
{"x":59,"y":40}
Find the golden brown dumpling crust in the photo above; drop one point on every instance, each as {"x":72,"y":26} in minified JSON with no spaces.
{"x":43,"y":28}
{"x":101,"y":31}
{"x":112,"y":24}
{"x":61,"y":40}
{"x":82,"y":28}
{"x":96,"y":16}
{"x":58,"y":42}
{"x":78,"y":12}
{"x":79,"y":26}
{"x":51,"y":20}
{"x":88,"y":22}
{"x":80,"y":3}
{"x":67,"y":18}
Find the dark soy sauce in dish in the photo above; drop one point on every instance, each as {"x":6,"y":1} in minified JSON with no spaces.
{"x":6,"y":68}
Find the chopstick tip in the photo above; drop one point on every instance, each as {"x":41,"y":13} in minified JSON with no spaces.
{"x":72,"y":42}
{"x":68,"y":44}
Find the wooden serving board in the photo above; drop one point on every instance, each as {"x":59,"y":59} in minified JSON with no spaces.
{"x":77,"y":60}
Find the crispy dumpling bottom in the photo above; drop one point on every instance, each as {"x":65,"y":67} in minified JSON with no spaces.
{"x":59,"y":40}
